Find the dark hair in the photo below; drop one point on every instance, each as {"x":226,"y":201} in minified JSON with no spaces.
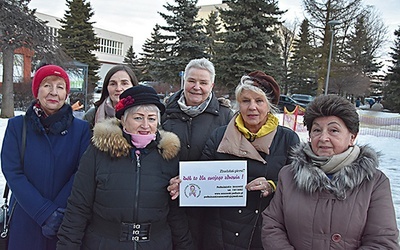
{"x":332,"y":105}
{"x":110,"y":73}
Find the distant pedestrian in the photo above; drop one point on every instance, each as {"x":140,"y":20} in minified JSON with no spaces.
{"x":371,"y":102}
{"x":358,"y":102}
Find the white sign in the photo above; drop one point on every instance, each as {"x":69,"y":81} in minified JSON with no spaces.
{"x":213,"y":183}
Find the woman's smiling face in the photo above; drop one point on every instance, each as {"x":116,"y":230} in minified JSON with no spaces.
{"x":52,"y":94}
{"x":254,"y":109}
{"x":198,"y":86}
{"x":330,"y":136}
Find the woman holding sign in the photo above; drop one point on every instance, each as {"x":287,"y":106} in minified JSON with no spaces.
{"x":253,"y":135}
{"x":119,"y":198}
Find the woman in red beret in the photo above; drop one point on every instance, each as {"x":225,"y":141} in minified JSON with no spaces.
{"x":41,"y":180}
{"x":253,"y":135}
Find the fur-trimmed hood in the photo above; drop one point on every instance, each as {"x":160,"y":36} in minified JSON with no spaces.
{"x":311,"y":178}
{"x":109,"y":137}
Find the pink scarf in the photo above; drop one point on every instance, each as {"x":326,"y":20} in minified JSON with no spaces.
{"x":141,"y":141}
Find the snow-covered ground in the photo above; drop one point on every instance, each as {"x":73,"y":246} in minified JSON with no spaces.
{"x":388,"y":146}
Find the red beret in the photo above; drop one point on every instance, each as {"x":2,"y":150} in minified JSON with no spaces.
{"x":267,"y":84}
{"x":45,"y":71}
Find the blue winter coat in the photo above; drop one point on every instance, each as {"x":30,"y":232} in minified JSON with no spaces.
{"x":44,"y":182}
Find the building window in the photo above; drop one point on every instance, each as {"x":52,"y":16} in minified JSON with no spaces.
{"x":18,"y":75}
{"x":110,"y":47}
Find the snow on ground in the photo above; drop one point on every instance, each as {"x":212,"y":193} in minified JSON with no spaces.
{"x":388,"y":146}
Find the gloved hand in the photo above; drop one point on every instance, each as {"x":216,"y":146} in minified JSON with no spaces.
{"x":51,"y":225}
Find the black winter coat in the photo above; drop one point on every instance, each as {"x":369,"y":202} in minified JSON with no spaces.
{"x":117,"y":184}
{"x":240,"y":227}
{"x":193,"y":132}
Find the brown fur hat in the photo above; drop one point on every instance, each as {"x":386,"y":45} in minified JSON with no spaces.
{"x":267,"y":84}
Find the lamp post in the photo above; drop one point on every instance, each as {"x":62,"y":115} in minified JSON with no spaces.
{"x":332,"y":25}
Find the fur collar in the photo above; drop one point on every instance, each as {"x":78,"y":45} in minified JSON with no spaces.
{"x":108,"y":137}
{"x":312,"y":179}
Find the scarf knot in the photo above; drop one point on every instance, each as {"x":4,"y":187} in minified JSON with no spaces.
{"x":332,"y":164}
{"x":270,"y":125}
{"x":193,"y":111}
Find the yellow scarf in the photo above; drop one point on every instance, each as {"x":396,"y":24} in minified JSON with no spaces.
{"x":270,"y":125}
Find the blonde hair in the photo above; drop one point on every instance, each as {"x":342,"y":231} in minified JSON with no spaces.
{"x":145,"y":107}
{"x":246,"y":83}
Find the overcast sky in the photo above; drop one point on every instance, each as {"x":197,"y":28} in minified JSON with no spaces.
{"x":138,"y":17}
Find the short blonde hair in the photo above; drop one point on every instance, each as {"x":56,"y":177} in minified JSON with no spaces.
{"x":246,"y":83}
{"x":145,"y":107}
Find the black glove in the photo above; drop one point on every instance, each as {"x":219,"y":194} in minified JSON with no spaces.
{"x":51,"y":225}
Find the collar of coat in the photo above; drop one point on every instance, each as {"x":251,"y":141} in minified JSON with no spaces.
{"x":109,"y":137}
{"x":61,"y":122}
{"x":212,"y":108}
{"x":235,"y":143}
{"x":312,"y":179}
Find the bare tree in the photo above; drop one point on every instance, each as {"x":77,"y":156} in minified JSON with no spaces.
{"x":376,"y":30}
{"x":320,"y":12}
{"x":20,"y":28}
{"x":287,"y":34}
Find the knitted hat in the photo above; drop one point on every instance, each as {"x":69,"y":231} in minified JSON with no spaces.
{"x":137,"y":95}
{"x":45,"y":71}
{"x":267,"y":84}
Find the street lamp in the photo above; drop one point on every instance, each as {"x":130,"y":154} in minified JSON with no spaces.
{"x":332,"y":25}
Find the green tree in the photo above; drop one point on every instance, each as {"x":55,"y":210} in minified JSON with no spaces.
{"x":132,"y":62}
{"x":392,"y":90}
{"x":213,"y":29}
{"x":359,"y":51}
{"x":184,"y":37}
{"x":153,"y":55}
{"x":303,"y":62}
{"x":19,"y":27}
{"x":250,"y":40}
{"x":77,"y":36}
{"x":357,"y":58}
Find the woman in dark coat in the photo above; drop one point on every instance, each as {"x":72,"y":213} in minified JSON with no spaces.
{"x":255,"y":136}
{"x":193,"y":113}
{"x":55,"y":142}
{"x":119,"y":198}
{"x":332,"y":195}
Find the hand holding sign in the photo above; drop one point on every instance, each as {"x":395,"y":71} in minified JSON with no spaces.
{"x":212,"y":183}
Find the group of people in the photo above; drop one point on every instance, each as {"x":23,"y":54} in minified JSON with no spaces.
{"x":111,"y":181}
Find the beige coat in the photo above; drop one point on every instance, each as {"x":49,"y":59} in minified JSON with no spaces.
{"x":309,"y":210}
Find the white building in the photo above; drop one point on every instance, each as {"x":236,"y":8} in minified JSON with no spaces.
{"x":112,"y":46}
